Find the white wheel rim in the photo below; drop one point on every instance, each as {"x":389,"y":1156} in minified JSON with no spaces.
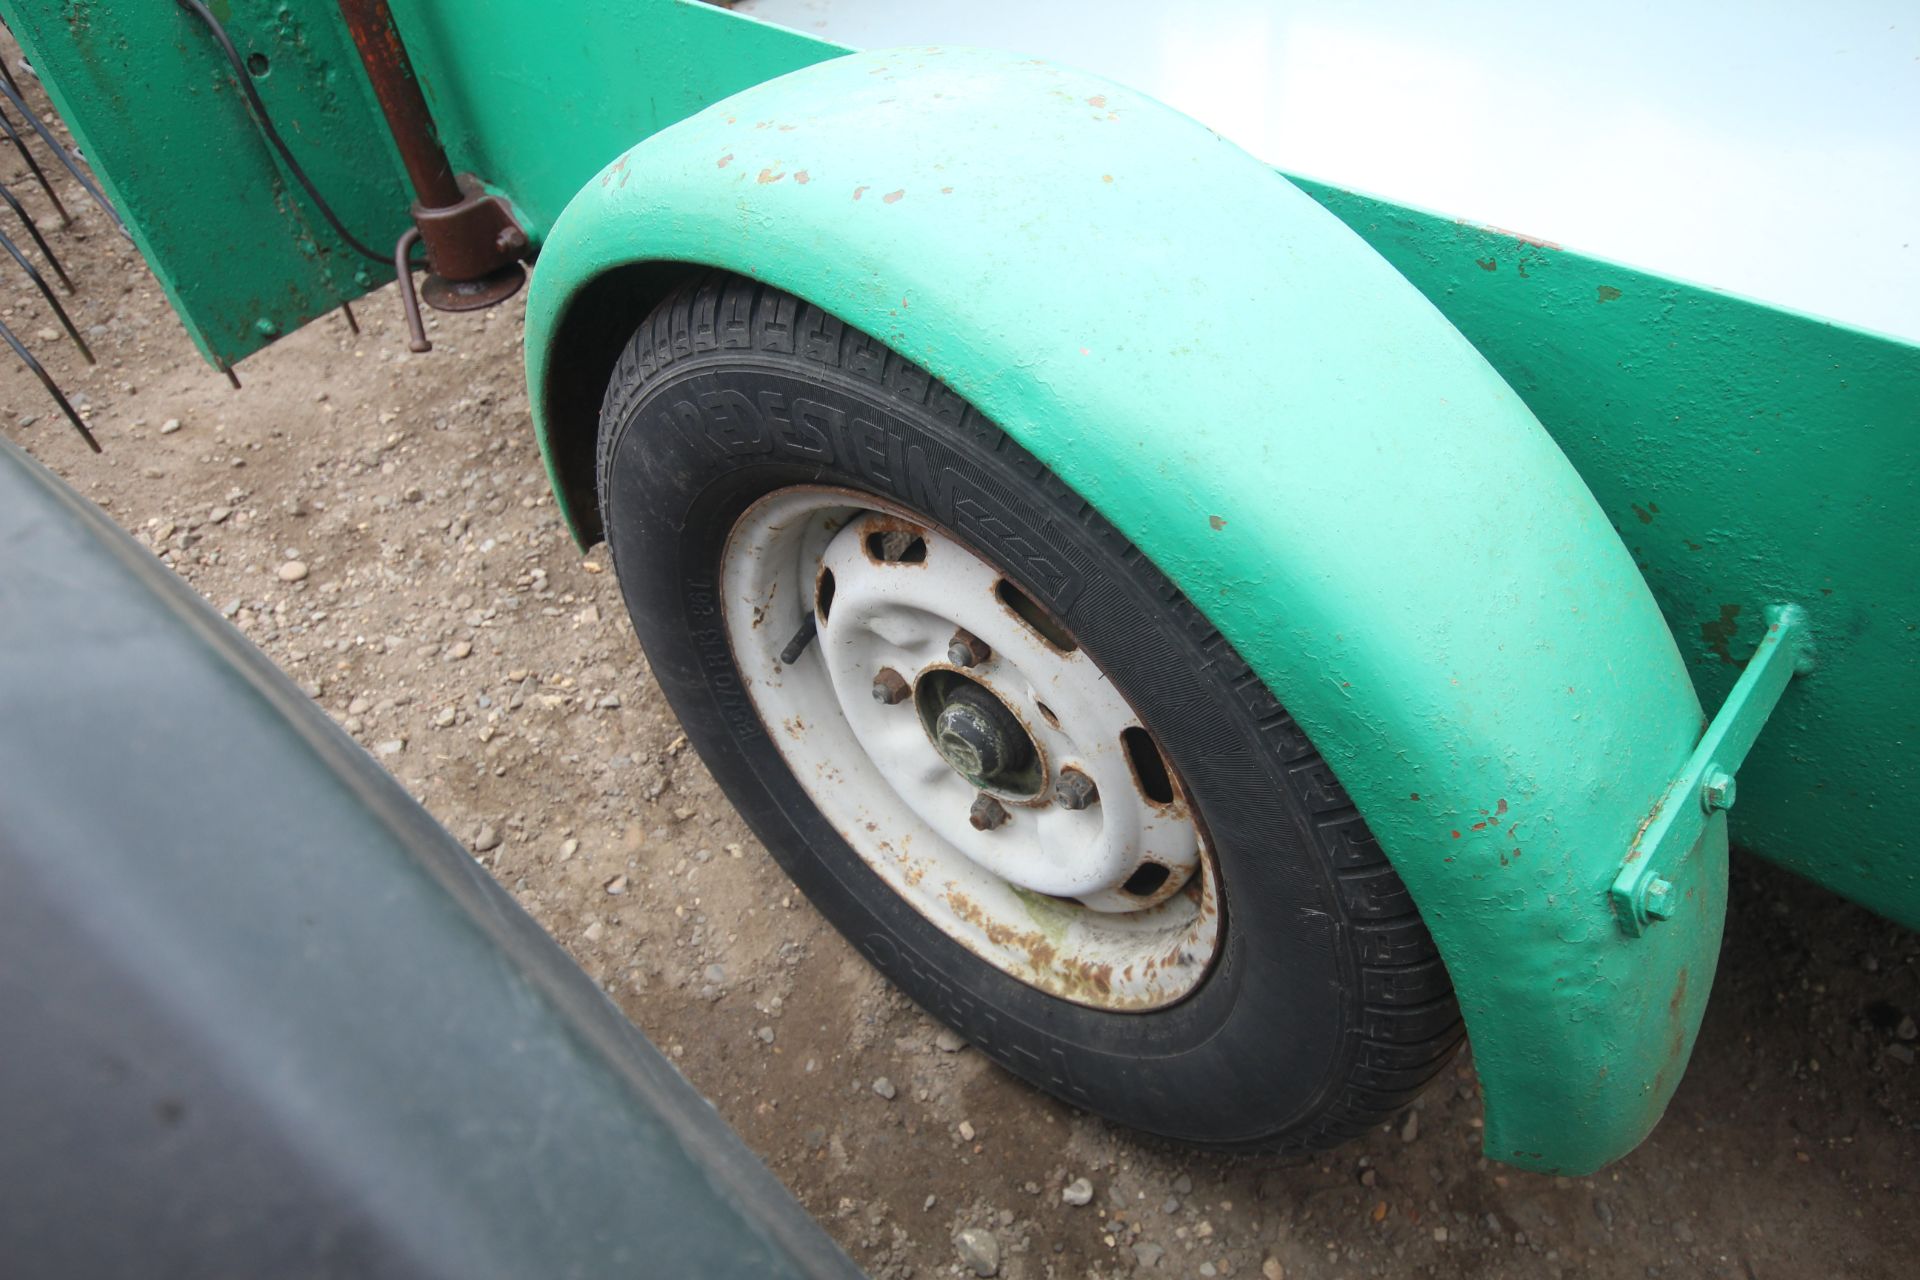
{"x":1071,"y":901}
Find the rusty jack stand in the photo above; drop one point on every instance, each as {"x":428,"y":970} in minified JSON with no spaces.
{"x":474,"y":244}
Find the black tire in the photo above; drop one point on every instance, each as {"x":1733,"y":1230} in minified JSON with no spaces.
{"x":1327,"y":1009}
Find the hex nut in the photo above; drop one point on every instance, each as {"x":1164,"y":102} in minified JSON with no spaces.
{"x":890,"y":687}
{"x":987,"y":813}
{"x":1075,"y":790}
{"x":967,"y":650}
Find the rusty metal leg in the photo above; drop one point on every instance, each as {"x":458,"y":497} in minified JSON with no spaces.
{"x":474,"y":244}
{"x":53,"y":388}
{"x":38,"y":239}
{"x":40,"y":282}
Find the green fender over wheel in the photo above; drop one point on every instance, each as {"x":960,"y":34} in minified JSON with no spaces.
{"x":1296,"y":437}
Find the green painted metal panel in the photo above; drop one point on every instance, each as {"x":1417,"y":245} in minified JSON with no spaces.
{"x":1300,"y":440}
{"x":1749,"y":456}
{"x":534,"y":101}
{"x":242,"y":254}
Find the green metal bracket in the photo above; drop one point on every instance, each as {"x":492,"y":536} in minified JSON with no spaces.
{"x":1643,"y":890}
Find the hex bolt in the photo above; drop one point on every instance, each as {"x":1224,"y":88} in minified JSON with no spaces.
{"x":966,"y":649}
{"x":1075,"y":790}
{"x":1660,"y":899}
{"x":987,"y":813}
{"x":1716,"y":791}
{"x":890,"y":687}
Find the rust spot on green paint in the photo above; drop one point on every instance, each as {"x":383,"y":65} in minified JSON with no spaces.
{"x":1608,"y":293}
{"x":1488,"y":264}
{"x":1646,"y":516}
{"x":893,"y":197}
{"x":800,"y":176}
{"x":724,"y":161}
{"x":1217,"y":523}
{"x":1718,"y":634}
{"x":770,"y":175}
{"x":1098,"y":100}
{"x":858,"y":192}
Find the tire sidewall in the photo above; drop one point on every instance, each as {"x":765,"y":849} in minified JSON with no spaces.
{"x":1251,"y":1055}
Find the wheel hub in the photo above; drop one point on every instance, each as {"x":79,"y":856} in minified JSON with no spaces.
{"x":978,"y":734}
{"x":1019,"y":804}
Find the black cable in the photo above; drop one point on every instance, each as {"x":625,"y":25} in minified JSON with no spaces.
{"x":258,"y":109}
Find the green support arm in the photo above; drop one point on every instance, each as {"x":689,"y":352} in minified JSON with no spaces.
{"x":1297,"y":438}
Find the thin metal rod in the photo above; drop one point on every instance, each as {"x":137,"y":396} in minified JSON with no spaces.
{"x":53,"y":388}
{"x":38,"y":239}
{"x":409,"y":303}
{"x":232,"y":377}
{"x":809,"y":627}
{"x":346,"y":309}
{"x":33,"y":167}
{"x":64,"y":156}
{"x":40,"y":282}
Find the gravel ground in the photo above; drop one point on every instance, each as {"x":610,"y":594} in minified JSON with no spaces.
{"x":379,"y":524}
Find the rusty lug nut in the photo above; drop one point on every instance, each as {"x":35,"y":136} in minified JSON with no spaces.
{"x":987,"y":813}
{"x":967,"y":649}
{"x":1075,"y":790}
{"x":890,"y":687}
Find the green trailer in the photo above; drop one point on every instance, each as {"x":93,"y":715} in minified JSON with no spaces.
{"x":1214,"y":636}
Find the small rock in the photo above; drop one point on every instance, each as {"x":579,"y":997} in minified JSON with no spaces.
{"x":979,"y":1250}
{"x":884,"y":1087}
{"x":1439,"y":1235}
{"x":358,"y":707}
{"x":616,"y":886}
{"x":486,"y":839}
{"x":392,"y":747}
{"x":716,"y":974}
{"x":966,"y":1130}
{"x":1411,"y":1129}
{"x":170,"y":426}
{"x":1077,"y":1192}
{"x":444,"y":718}
{"x":1183,"y":1185}
{"x":1148,"y":1255}
{"x":568,"y":848}
{"x":593,"y":931}
{"x":948,"y":1042}
{"x":292,"y":571}
{"x":764,"y":1035}
{"x":1907,"y":1030}
{"x":460,"y":649}
{"x":1272,"y":1270}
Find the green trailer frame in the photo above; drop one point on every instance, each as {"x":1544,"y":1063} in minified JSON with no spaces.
{"x":1585,"y":500}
